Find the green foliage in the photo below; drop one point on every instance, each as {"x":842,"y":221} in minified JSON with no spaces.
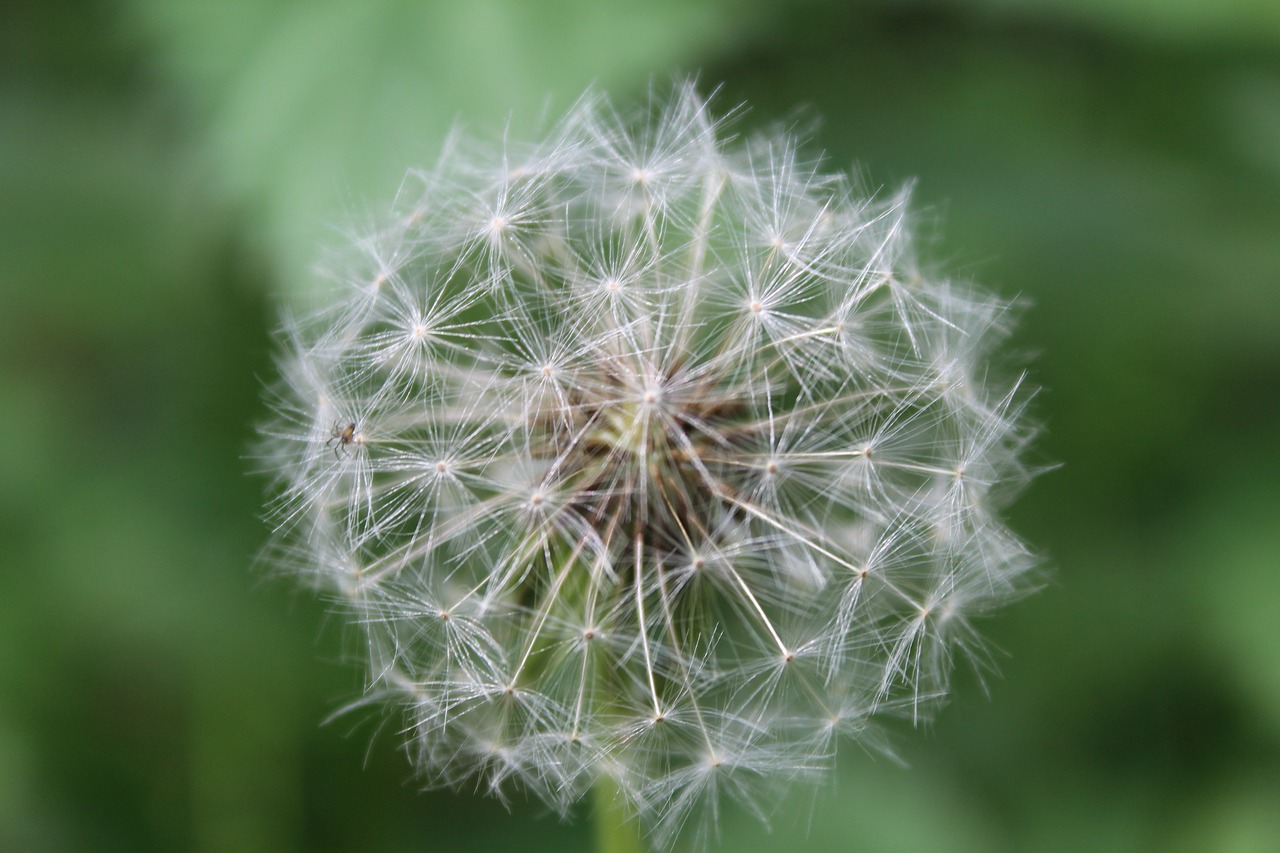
{"x":307,"y":109}
{"x":165,"y":168}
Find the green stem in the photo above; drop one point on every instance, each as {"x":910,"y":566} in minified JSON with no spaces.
{"x":615,"y":833}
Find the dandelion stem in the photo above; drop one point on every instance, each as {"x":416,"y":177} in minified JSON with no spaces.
{"x":614,"y":832}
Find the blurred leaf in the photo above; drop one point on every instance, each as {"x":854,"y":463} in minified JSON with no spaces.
{"x":313,"y":111}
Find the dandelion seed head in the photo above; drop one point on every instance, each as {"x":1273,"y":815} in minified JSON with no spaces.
{"x":659,"y":461}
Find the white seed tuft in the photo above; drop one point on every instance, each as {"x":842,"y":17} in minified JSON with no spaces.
{"x":593,"y":518}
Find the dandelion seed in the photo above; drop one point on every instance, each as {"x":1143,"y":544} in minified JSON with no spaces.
{"x":673,"y":468}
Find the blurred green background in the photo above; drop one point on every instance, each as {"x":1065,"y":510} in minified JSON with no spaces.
{"x":169,"y":170}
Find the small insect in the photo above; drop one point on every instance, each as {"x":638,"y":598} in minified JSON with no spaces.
{"x":341,"y":437}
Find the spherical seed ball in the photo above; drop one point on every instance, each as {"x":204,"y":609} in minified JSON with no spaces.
{"x":645,"y":455}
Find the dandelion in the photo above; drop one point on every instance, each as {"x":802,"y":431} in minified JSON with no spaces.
{"x":647,"y":460}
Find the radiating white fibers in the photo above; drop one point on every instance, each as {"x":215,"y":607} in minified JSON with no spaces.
{"x":645,"y":453}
